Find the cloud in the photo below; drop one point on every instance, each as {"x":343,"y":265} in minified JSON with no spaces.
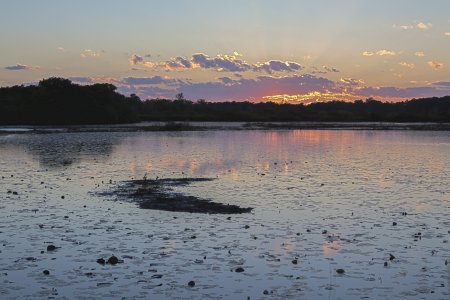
{"x":155,"y":80}
{"x":407,"y":65}
{"x":424,"y":26}
{"x":447,"y":33}
{"x":389,"y":92}
{"x":351,"y":81}
{"x":406,"y":27}
{"x":382,"y":52}
{"x":276,"y":66}
{"x":135,"y":59}
{"x":89,"y":53}
{"x":80,"y":79}
{"x":436,"y":65}
{"x":419,"y":54}
{"x":61,"y":49}
{"x":385,"y":52}
{"x":330,"y":69}
{"x":442,"y":83}
{"x":20,"y":67}
{"x":304,"y":88}
{"x":220,"y":63}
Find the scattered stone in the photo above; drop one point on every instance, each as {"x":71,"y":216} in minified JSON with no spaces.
{"x":191,"y":283}
{"x":246,"y":226}
{"x":394,"y":223}
{"x":239,"y":270}
{"x":324,"y":232}
{"x":391,"y":257}
{"x":340,"y":271}
{"x":62,"y":197}
{"x":113,"y":260}
{"x":51,"y":247}
{"x":46,"y":272}
{"x":295,"y":261}
{"x":385,"y":263}
{"x":266,"y":292}
{"x":101,"y":261}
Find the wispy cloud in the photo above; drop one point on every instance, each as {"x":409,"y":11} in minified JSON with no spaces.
{"x":21,"y":67}
{"x":403,"y":27}
{"x":89,"y":53}
{"x":154,"y":80}
{"x":135,"y":59}
{"x":61,"y":49}
{"x":436,"y":65}
{"x":81,"y":79}
{"x":382,"y":52}
{"x":407,"y":65}
{"x":419,"y":54}
{"x":423,"y":26}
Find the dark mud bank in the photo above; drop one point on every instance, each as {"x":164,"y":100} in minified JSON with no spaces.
{"x":159,"y":195}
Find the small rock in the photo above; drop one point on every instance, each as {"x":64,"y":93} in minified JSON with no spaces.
{"x":391,"y":257}
{"x":340,"y":271}
{"x":239,"y":270}
{"x":385,"y":263}
{"x":51,"y":247}
{"x":191,"y":283}
{"x":295,"y":261}
{"x":324,"y":232}
{"x":101,"y":261}
{"x":394,"y":223}
{"x":266,"y":292}
{"x":113,"y":260}
{"x":246,"y":226}
{"x":62,"y":197}
{"x":46,"y":272}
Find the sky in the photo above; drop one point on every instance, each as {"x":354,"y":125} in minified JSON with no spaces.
{"x":296,"y":51}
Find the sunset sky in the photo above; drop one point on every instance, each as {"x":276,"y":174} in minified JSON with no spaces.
{"x":256,"y":50}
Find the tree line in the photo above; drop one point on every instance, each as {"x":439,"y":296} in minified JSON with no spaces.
{"x":59,"y":101}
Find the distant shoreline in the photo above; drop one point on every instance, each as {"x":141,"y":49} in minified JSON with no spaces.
{"x":215,"y":126}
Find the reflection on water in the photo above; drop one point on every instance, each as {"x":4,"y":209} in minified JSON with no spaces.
{"x":60,"y":150}
{"x":323,"y":199}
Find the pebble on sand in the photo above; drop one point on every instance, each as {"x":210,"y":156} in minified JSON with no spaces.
{"x":340,"y":271}
{"x":113,"y":260}
{"x":191,"y":283}
{"x":51,"y":247}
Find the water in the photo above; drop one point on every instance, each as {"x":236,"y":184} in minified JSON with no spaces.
{"x":328,"y":199}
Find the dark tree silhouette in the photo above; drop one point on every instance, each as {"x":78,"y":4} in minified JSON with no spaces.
{"x":59,"y":101}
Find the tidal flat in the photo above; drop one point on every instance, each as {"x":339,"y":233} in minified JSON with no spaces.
{"x":336,"y":214}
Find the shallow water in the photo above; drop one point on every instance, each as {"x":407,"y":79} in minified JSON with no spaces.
{"x":352,"y":184}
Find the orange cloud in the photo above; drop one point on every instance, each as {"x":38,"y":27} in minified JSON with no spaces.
{"x":419,"y":54}
{"x":436,"y":65}
{"x":89,"y":53}
{"x":424,"y":26}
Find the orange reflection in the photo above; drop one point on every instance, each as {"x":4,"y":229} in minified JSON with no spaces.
{"x":330,"y":249}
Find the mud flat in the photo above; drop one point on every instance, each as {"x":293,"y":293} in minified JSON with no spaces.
{"x":158,"y":194}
